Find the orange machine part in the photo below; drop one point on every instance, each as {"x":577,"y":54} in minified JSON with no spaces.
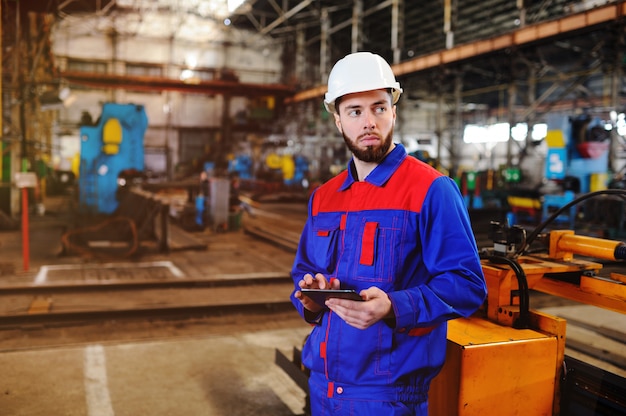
{"x":492,"y":369}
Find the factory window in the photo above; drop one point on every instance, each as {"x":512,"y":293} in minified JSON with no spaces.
{"x":87,"y":66}
{"x":194,"y":76}
{"x":156,"y":161}
{"x":205,"y":74}
{"x":144,"y":70}
{"x":500,"y":132}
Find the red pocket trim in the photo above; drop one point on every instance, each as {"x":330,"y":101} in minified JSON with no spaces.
{"x":322,"y":350}
{"x":342,"y":224}
{"x":368,"y":244}
{"x":331,"y":389}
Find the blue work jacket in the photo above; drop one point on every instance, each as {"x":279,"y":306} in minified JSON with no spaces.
{"x":406,"y":230}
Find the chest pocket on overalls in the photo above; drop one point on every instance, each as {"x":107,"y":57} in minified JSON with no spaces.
{"x":379,"y":249}
{"x":326,"y":233}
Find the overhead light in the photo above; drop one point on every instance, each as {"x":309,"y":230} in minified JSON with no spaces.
{"x":69,"y":100}
{"x":188,"y":76}
{"x":55,"y":100}
{"x":64,"y":93}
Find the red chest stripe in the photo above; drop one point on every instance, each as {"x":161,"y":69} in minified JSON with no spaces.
{"x":405,"y":190}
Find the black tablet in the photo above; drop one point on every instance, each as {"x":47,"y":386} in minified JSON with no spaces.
{"x":319,"y":296}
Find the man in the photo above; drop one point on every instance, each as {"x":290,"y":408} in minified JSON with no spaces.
{"x":396,"y":231}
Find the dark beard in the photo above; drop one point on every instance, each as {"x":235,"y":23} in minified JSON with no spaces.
{"x":371,"y":154}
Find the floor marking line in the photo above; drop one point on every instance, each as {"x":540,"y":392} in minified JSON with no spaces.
{"x":96,"y":386}
{"x":42,"y":275}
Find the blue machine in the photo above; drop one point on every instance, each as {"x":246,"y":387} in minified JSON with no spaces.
{"x":577,"y":147}
{"x":113,"y":145}
{"x":302,"y":169}
{"x":242,"y":166}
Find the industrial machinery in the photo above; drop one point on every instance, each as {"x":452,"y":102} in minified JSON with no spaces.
{"x":578,"y":148}
{"x":508,"y":359}
{"x":112,"y":146}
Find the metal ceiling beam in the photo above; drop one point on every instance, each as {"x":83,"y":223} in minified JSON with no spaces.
{"x":357,"y":26}
{"x":285,"y":17}
{"x":154,"y":84}
{"x":520,"y":37}
{"x":350,"y":21}
{"x":523,"y":36}
{"x":397,"y":15}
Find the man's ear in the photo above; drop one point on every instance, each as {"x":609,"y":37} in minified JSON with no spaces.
{"x":338,"y":122}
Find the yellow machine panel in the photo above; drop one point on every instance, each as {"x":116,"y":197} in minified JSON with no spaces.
{"x":495,"y":370}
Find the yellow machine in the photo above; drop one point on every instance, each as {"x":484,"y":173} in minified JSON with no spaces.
{"x":508,"y":359}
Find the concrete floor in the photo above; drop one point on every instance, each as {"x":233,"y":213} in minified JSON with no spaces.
{"x":213,"y":375}
{"x":130,"y":368}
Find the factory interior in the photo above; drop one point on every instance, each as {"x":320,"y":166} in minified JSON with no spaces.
{"x":157,"y":159}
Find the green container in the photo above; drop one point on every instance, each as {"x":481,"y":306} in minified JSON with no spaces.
{"x":234,"y":220}
{"x":470,"y":178}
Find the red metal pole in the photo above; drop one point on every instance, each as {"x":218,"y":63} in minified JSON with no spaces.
{"x":25,"y":248}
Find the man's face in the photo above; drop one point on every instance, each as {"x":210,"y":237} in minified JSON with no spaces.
{"x":366,"y":121}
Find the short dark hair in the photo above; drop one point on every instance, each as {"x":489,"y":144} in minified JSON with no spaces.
{"x":337,"y":102}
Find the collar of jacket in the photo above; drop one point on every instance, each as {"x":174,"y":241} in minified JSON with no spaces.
{"x":381,"y":173}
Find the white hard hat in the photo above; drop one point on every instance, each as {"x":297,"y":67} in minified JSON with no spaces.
{"x":358,"y":72}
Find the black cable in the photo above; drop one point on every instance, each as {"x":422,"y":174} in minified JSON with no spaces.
{"x":523,"y":321}
{"x":540,"y":227}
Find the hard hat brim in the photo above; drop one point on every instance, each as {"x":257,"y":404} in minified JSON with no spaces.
{"x":329,"y":102}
